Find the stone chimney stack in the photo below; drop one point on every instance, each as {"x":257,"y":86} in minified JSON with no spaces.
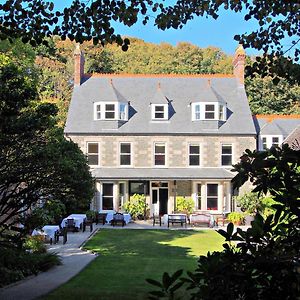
{"x":239,"y":64}
{"x":78,"y":65}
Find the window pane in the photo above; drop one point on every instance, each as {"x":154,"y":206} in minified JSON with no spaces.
{"x":107,"y":203}
{"x":93,"y":159}
{"x":125,"y":148}
{"x":159,"y":109}
{"x":209,"y":107}
{"x":125,"y":160}
{"x":109,"y":115}
{"x":110,"y":107}
{"x":209,"y":115}
{"x":226,"y":160}
{"x":275,"y":141}
{"x":159,"y":148}
{"x":226,"y":149}
{"x":159,"y":115}
{"x":108,"y":189}
{"x":197,"y":108}
{"x":212,"y":203}
{"x":92,"y":148}
{"x":212,"y":190}
{"x":194,"y":149}
{"x":221,"y":115}
{"x":198,"y":196}
{"x":137,"y":188}
{"x":159,"y":160}
{"x":194,"y":160}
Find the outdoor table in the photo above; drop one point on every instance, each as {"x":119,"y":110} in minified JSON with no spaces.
{"x":47,"y":230}
{"x":78,"y":219}
{"x":110,"y":216}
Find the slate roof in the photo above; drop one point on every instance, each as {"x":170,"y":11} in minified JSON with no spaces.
{"x":293,"y":139}
{"x":180,"y":90}
{"x":276,"y":124}
{"x":161,"y":173}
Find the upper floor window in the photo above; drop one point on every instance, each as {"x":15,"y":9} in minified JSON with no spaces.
{"x":159,"y":154}
{"x":267,"y":141}
{"x":110,"y":111}
{"x":93,"y":154}
{"x":208,"y":111}
{"x":226,"y":157}
{"x":125,"y":154}
{"x":194,"y":155}
{"x":159,"y":111}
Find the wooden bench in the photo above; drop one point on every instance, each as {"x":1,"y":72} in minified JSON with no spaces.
{"x":177,"y":219}
{"x":201,"y":219}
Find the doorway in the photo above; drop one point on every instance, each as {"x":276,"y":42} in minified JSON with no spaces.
{"x":159,"y":197}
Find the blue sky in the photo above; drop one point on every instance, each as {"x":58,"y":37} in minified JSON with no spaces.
{"x":200,"y":31}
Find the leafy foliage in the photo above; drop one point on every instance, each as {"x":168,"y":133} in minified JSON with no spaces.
{"x":33,"y":21}
{"x":136,"y":206}
{"x":185,"y":205}
{"x":249,"y":202}
{"x":36,"y":161}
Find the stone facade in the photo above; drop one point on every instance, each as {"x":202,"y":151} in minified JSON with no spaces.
{"x":176,"y":149}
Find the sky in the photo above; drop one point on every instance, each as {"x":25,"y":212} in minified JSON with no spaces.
{"x":200,"y":31}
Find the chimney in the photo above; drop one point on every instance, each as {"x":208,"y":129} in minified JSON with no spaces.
{"x":239,"y":64}
{"x":78,"y":65}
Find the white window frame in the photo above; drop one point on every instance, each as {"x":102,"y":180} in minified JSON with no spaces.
{"x":206,"y":196}
{"x":226,"y":144}
{"x":117,"y":111}
{"x":87,"y":153}
{"x":189,"y":154}
{"x":120,"y":153}
{"x":154,"y":153}
{"x":165,"y":111}
{"x":269,"y":140}
{"x":114,"y":193}
{"x":200,"y":116}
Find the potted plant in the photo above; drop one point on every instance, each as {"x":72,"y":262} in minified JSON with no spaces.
{"x":236,"y":218}
{"x":91,"y":215}
{"x":136,"y":206}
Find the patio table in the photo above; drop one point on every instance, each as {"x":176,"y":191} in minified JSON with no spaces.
{"x":47,"y":230}
{"x":110,"y":216}
{"x":78,"y":219}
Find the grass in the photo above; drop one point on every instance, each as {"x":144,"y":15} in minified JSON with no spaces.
{"x":127,"y":257}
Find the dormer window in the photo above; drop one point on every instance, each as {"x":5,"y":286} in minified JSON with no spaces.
{"x":208,"y":111}
{"x":110,"y":111}
{"x":159,"y":111}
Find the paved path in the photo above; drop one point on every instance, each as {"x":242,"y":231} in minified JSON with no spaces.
{"x":73,"y":259}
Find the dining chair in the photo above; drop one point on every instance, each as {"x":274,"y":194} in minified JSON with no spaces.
{"x":118,"y":218}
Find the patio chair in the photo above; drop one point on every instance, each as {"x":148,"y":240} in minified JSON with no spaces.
{"x":61,"y":232}
{"x":87,"y":222}
{"x":71,"y":225}
{"x":156,"y":219}
{"x":101,"y":218}
{"x":118,"y":219}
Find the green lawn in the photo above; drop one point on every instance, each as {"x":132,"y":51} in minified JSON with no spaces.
{"x":128,"y":257}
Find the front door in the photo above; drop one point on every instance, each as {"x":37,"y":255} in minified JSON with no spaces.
{"x":163,"y":201}
{"x":160,"y":198}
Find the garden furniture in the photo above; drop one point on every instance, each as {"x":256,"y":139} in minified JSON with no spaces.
{"x":118,"y":218}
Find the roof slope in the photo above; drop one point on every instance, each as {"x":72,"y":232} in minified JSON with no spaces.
{"x":181,"y":91}
{"x":276,"y":124}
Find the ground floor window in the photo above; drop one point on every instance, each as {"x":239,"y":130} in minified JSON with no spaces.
{"x":212,"y":196}
{"x":198,"y":196}
{"x":107,"y":196}
{"x":122,"y":194}
{"x":138,"y":187}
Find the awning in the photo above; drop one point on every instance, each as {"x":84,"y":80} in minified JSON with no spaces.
{"x":161,"y":173}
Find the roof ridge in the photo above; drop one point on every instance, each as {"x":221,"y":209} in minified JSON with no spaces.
{"x":169,"y":75}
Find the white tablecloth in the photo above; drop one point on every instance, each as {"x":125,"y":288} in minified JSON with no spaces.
{"x":110,"y":216}
{"x":165,"y":217}
{"x":48,"y":230}
{"x":78,"y":219}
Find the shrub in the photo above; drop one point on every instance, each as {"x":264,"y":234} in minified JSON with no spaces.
{"x":185,"y":205}
{"x":236,"y":218}
{"x":35,"y":244}
{"x":15,"y":264}
{"x":249,"y":202}
{"x":91,"y":214}
{"x":136,"y":206}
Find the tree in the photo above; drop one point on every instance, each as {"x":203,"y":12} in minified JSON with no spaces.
{"x":85,"y":20}
{"x":36,"y":162}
